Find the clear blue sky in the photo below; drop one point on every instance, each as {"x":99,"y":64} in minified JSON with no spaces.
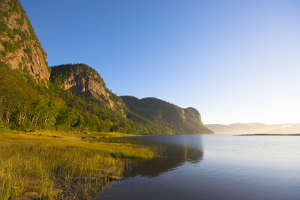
{"x":235,"y":61}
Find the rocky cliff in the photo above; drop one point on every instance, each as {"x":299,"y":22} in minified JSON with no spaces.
{"x":178,"y":119}
{"x":81,"y":79}
{"x":19,"y":46}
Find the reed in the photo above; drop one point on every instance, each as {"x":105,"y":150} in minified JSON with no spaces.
{"x":57,"y":165}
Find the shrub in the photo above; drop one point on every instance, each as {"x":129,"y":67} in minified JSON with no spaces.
{"x":1,"y":124}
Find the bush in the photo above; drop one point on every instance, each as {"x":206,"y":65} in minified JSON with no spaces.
{"x":2,"y":124}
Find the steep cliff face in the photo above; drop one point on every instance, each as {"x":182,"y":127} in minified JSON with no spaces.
{"x":19,"y":46}
{"x":158,"y":111}
{"x":81,"y":79}
{"x":192,"y":120}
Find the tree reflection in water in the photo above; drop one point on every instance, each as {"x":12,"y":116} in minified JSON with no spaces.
{"x":171,"y":152}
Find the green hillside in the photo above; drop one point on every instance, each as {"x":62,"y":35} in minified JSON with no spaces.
{"x":164,"y":114}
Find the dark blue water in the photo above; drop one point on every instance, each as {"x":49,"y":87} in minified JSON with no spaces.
{"x":214,"y":167}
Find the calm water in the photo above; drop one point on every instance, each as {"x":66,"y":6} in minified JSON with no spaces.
{"x":214,"y":167}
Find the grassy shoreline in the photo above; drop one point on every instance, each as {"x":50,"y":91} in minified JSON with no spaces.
{"x":62,"y":165}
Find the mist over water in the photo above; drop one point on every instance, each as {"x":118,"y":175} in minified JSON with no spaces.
{"x":213,"y":167}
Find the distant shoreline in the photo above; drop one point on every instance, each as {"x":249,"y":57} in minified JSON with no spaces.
{"x":268,"y":134}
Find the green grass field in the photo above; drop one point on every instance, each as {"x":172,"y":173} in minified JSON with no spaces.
{"x":62,"y":165}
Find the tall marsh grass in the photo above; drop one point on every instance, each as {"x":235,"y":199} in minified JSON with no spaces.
{"x":61,"y":166}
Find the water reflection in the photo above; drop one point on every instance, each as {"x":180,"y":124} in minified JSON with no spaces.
{"x":235,"y":168}
{"x":171,"y":152}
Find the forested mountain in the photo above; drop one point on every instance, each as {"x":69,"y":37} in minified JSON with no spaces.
{"x":165,"y":114}
{"x":72,"y":96}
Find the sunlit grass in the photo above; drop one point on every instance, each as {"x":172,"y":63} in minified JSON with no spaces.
{"x":58,"y":165}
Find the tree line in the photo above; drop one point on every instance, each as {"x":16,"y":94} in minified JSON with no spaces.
{"x":28,"y":105}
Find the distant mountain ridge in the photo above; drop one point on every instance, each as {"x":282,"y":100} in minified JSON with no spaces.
{"x":255,"y":128}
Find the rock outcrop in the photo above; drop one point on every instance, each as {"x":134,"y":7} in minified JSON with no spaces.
{"x":19,"y":46}
{"x":83,"y":80}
